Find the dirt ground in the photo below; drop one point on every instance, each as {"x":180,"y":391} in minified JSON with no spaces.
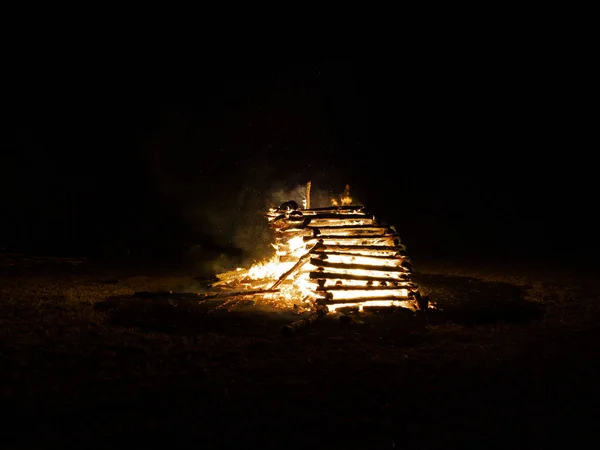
{"x":509,"y":358}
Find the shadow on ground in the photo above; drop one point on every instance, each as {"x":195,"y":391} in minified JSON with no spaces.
{"x":460,"y":300}
{"x":469,"y":301}
{"x":191,"y":317}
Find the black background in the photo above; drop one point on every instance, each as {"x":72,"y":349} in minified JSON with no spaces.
{"x":469,"y":153}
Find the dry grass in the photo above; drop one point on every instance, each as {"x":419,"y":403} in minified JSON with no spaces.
{"x":509,"y":358}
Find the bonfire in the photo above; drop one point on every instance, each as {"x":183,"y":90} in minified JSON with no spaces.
{"x":334,"y":258}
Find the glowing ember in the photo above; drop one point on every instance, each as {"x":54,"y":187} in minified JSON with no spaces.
{"x":338,"y":257}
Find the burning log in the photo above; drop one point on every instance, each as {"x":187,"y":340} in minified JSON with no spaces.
{"x":316,"y":222}
{"x":338,"y":215}
{"x":367,"y":256}
{"x":324,"y":263}
{"x":403,"y":285}
{"x":368,"y":250}
{"x":348,"y":276}
{"x":352,"y":230}
{"x":337,"y":208}
{"x":387,"y":298}
{"x":358,"y":237}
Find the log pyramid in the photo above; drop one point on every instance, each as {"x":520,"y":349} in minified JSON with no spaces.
{"x":347,"y":257}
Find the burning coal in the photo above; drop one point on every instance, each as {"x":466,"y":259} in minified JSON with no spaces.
{"x":336,"y":257}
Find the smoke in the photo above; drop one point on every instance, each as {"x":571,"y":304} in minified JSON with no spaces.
{"x":221,"y":195}
{"x":240,"y":228}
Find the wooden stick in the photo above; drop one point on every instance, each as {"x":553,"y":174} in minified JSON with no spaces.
{"x":301,"y":261}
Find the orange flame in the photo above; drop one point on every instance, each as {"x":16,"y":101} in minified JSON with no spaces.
{"x":344,"y":199}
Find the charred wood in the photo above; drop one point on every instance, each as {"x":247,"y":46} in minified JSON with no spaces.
{"x":304,"y":322}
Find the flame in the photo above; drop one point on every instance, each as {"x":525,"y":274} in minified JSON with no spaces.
{"x":344,"y":199}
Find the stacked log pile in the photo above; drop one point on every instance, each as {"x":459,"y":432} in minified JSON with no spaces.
{"x":348,"y":256}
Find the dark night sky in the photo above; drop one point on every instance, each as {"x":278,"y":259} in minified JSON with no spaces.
{"x":471,"y":153}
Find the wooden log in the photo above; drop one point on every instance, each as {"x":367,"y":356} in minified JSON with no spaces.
{"x":292,"y":225}
{"x":367,"y":237}
{"x":293,"y":327}
{"x":398,"y":276}
{"x":325,"y":301}
{"x":335,"y":265}
{"x":350,"y":228}
{"x":330,"y":222}
{"x":384,"y":296}
{"x":325,"y":254}
{"x":346,"y":276}
{"x":352,"y":258}
{"x":328,"y":283}
{"x":353,"y":230}
{"x":401,"y":285}
{"x":367,"y":250}
{"x":336,"y":208}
